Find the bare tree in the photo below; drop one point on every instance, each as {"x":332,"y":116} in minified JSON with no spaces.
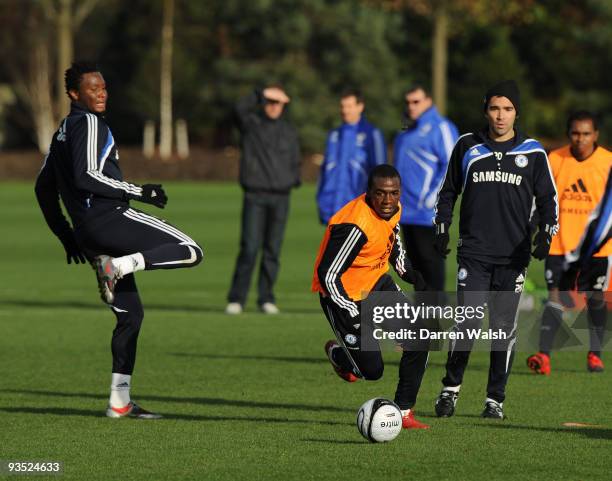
{"x":165,"y":108}
{"x":439,"y":12}
{"x":36,"y":89}
{"x":48,"y":36}
{"x":26,"y":30}
{"x":67,"y":16}
{"x":439,"y":58}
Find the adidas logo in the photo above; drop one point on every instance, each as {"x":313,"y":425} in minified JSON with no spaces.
{"x":520,"y":278}
{"x":474,"y":151}
{"x":576,"y":191}
{"x":578,"y":186}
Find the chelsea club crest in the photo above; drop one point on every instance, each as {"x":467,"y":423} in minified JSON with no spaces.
{"x":521,"y":160}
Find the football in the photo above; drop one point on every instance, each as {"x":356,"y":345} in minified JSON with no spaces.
{"x":379,"y":420}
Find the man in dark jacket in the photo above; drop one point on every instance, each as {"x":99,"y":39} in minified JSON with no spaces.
{"x":269,"y":169}
{"x":500,"y":173}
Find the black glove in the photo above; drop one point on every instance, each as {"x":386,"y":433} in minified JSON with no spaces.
{"x":73,"y":252}
{"x":415,"y":278}
{"x":153,"y":194}
{"x":541,"y":241}
{"x":441,"y":240}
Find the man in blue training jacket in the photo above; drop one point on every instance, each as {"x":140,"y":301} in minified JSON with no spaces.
{"x":421,"y":155}
{"x":352,"y":150}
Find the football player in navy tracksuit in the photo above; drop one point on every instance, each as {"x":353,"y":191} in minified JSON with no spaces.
{"x":351,"y":152}
{"x":421,"y":156}
{"x":501,"y":174}
{"x":82,"y":168}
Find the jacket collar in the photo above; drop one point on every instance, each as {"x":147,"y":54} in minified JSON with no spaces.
{"x":362,"y":124}
{"x":483,"y":136}
{"x":430,"y":114}
{"x":79,"y":108}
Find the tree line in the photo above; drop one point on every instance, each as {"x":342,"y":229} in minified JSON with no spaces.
{"x":559,"y":51}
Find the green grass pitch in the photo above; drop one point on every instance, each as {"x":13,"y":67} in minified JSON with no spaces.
{"x":249,"y":397}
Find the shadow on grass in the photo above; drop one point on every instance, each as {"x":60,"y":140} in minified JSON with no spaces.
{"x":181,"y":417}
{"x":589,"y":432}
{"x":334,"y":441}
{"x":301,"y":310}
{"x":99,"y":306}
{"x":149,"y":306}
{"x":433,"y":415}
{"x":206,"y":401}
{"x":254,"y":357}
{"x":312,"y":360}
{"x":54,"y":411}
{"x":474,"y":416}
{"x":472,"y":367}
{"x":518,"y":369}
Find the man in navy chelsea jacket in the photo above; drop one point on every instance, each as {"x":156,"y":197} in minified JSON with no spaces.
{"x":503,"y":177}
{"x":82,"y":169}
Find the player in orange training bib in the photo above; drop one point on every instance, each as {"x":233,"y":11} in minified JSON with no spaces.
{"x":360,"y":242}
{"x":580,"y":170}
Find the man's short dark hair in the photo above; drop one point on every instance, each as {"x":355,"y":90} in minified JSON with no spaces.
{"x":275,"y":85}
{"x":352,"y":92}
{"x":581,"y":115}
{"x":74,"y":75}
{"x":414,"y":87}
{"x":383,"y":171}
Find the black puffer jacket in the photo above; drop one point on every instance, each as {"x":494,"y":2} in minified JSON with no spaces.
{"x":270,"y":149}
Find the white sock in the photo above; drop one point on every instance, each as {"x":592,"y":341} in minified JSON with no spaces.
{"x":120,"y":390}
{"x":452,"y":388}
{"x":129,"y":264}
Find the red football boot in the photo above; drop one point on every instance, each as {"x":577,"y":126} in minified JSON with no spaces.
{"x":409,"y":422}
{"x":346,"y":375}
{"x":594,"y":363}
{"x":539,"y":363}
